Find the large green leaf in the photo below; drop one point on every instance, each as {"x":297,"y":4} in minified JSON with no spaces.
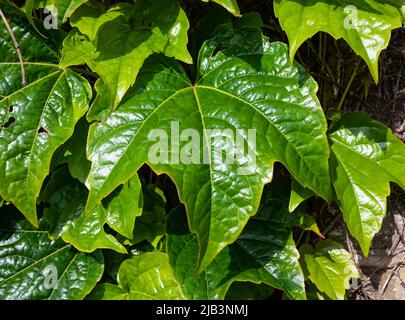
{"x":365,"y":24}
{"x":366,"y":156}
{"x":67,"y":198}
{"x":34,"y":119}
{"x":144,"y":277}
{"x":230,"y":5}
{"x":125,"y":35}
{"x":264,"y":253}
{"x":34,"y":267}
{"x":330,"y":267}
{"x":248,"y":84}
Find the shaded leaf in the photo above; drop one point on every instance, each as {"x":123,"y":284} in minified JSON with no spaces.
{"x":230,"y":5}
{"x":67,"y":198}
{"x":366,"y":156}
{"x":329,"y":267}
{"x":264,"y":253}
{"x":150,"y":226}
{"x":248,"y":291}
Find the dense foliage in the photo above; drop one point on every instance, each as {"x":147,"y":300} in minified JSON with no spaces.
{"x":87,"y":213}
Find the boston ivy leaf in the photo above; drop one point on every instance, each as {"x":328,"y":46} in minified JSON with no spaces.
{"x":275,"y":207}
{"x":78,"y":164}
{"x":313,"y":293}
{"x":67,"y":198}
{"x":144,"y":277}
{"x":77,"y":50}
{"x":366,"y":156}
{"x":128,"y":35}
{"x":98,"y":110}
{"x":366,"y":25}
{"x":123,"y":206}
{"x":230,"y":5}
{"x":34,"y":267}
{"x":89,"y":17}
{"x":264,"y":253}
{"x":207,"y":27}
{"x":150,"y":226}
{"x":298,"y":195}
{"x":249,"y":291}
{"x":249,"y":84}
{"x":60,"y":9}
{"x":329,"y":267}
{"x":34,"y":119}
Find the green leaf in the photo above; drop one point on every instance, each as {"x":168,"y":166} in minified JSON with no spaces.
{"x":230,"y":5}
{"x":298,"y":195}
{"x":249,"y":291}
{"x":61,"y":9}
{"x":67,"y":198}
{"x":150,"y":226}
{"x":329,"y":267}
{"x":126,"y":35}
{"x":34,"y":267}
{"x":144,"y":277}
{"x":366,"y":156}
{"x":264,"y":253}
{"x":100,"y":107}
{"x":242,"y":87}
{"x":125,"y":205}
{"x":34,"y":119}
{"x":207,"y":27}
{"x":78,"y":164}
{"x":77,"y":50}
{"x":275,"y":207}
{"x":313,"y":293}
{"x":89,"y":18}
{"x":366,"y":25}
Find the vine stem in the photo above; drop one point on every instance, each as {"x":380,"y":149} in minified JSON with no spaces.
{"x":16,"y":45}
{"x":348,"y":86}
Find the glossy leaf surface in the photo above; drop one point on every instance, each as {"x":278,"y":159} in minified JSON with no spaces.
{"x":34,"y":119}
{"x":248,"y":84}
{"x":34,"y":267}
